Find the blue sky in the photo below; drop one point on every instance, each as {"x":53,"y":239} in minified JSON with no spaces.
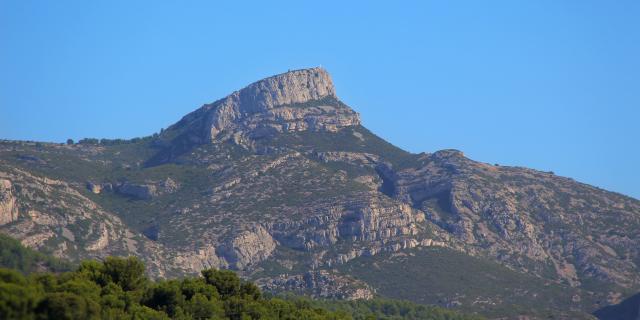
{"x":548,"y":84}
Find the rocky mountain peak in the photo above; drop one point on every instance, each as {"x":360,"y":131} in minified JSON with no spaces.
{"x":298,"y":86}
{"x":324,"y":207}
{"x":298,"y":100}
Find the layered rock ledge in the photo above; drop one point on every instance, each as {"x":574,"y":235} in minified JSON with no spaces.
{"x":297,"y":100}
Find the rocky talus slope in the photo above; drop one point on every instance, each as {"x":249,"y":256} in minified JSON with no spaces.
{"x":281,"y":182}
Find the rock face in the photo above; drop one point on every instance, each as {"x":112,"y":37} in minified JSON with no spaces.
{"x":8,"y":206}
{"x":58,"y":217}
{"x":298,"y":100}
{"x":527,"y":216}
{"x":247,"y":248}
{"x":376,"y":223}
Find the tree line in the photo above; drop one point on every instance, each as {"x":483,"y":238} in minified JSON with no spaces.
{"x":37,"y":286}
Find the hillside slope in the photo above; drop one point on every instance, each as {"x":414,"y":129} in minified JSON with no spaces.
{"x":281,"y":182}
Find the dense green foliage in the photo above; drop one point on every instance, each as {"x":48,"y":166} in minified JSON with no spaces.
{"x":118,"y":288}
{"x":15,"y":256}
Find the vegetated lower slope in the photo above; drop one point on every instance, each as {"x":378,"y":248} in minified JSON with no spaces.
{"x":282,"y":183}
{"x":13,"y":255}
{"x":450,"y":278}
{"x":118,"y":288}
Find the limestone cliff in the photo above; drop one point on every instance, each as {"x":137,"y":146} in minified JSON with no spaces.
{"x":8,"y":206}
{"x":300,"y":100}
{"x":247,"y":248}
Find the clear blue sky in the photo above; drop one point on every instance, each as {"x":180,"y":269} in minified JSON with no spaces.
{"x":548,"y":84}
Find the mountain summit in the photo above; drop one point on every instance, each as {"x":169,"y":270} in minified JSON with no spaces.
{"x":297,"y":100}
{"x":281,"y":182}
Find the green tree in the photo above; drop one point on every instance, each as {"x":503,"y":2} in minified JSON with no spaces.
{"x":117,"y":288}
{"x":166,"y":296}
{"x":200,"y":307}
{"x":18,"y":297}
{"x":226,"y":281}
{"x":128,"y":273}
{"x":67,"y":306}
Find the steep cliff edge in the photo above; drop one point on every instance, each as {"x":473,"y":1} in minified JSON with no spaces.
{"x":300,"y":100}
{"x":8,"y":206}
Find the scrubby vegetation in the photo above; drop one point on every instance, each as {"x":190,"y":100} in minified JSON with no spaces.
{"x":388,"y":309}
{"x":118,"y":288}
{"x":15,"y":256}
{"x":475,"y":284}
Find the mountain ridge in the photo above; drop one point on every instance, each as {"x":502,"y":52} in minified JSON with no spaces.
{"x":281,"y":182}
{"x":280,"y":103}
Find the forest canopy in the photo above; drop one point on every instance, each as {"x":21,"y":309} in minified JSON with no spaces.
{"x":118,"y":288}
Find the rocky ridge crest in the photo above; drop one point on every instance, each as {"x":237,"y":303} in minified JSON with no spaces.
{"x":297,"y":100}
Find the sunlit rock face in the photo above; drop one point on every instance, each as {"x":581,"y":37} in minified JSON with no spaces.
{"x":298,"y":100}
{"x":8,"y":207}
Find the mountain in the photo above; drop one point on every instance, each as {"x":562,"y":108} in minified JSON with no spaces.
{"x":282,"y":183}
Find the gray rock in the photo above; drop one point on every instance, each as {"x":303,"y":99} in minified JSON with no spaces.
{"x":8,"y":205}
{"x":247,"y":248}
{"x":298,"y":100}
{"x":137,"y":191}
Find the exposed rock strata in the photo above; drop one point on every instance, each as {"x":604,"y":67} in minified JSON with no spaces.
{"x":525,"y":216}
{"x":299,"y":100}
{"x":8,"y":205}
{"x":247,"y":248}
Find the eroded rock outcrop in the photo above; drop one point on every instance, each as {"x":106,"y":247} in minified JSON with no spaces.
{"x":371,"y":224}
{"x":247,"y":248}
{"x":8,"y":206}
{"x":527,"y":217}
{"x":202,"y":258}
{"x":55,"y":209}
{"x":298,"y":100}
